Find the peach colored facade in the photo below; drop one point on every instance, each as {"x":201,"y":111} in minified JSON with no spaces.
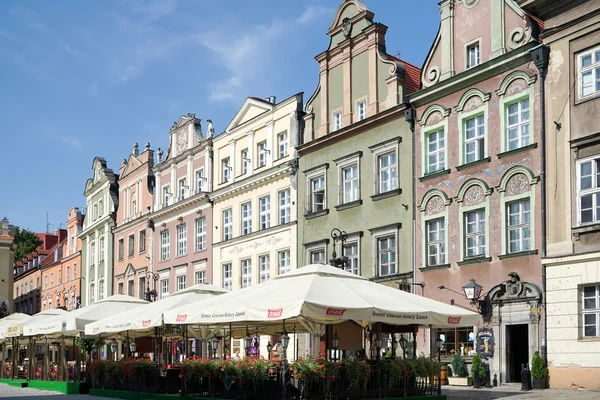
{"x":132,"y":237}
{"x":478,"y":190}
{"x":182,"y":217}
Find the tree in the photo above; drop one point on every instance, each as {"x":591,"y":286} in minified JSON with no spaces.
{"x":26,"y":242}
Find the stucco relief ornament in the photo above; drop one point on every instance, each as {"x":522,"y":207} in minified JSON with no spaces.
{"x":347,"y":27}
{"x":517,"y":184}
{"x":473,"y":103}
{"x":516,"y":86}
{"x":210,"y":130}
{"x":434,"y":205}
{"x":434,"y":118}
{"x":474,"y":195}
{"x":182,"y":141}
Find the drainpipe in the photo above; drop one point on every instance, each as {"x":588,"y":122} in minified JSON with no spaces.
{"x":409,"y":115}
{"x":540,"y":55}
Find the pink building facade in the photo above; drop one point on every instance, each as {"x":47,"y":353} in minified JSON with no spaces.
{"x":182,"y":217}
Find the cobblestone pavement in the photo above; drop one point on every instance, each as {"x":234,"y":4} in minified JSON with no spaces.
{"x":514,"y":393}
{"x":15,"y":393}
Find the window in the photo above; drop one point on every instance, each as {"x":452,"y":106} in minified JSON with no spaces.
{"x":164,"y":288}
{"x":351,"y":251}
{"x":519,"y":231}
{"x":130,"y":288}
{"x":350,"y":183}
{"x":201,"y":234}
{"x":182,"y":188}
{"x":165,"y":245}
{"x":166,"y":196}
{"x":227,"y":224}
{"x":95,"y":211}
{"x":284,"y":261}
{"x":142,"y":245}
{"x":227,"y":276}
{"x":284,"y":206}
{"x":75,"y":271}
{"x":68,"y":278}
{"x":100,"y":290}
{"x":361,"y":110}
{"x":588,"y":190}
{"x":262,"y":154}
{"x":245,"y":161}
{"x":517,"y":124}
{"x":317,"y":193}
{"x":282,"y":140}
{"x":93,"y":253}
{"x":386,"y":255}
{"x":474,"y":139}
{"x":475,"y":233}
{"x":131,"y":245}
{"x":142,"y":287}
{"x":92,"y":295}
{"x":101,"y":258}
{"x":181,"y":240}
{"x":121,"y":248}
{"x":51,"y":280}
{"x":264,"y":205}
{"x":226,"y":170}
{"x":436,"y":153}
{"x":59,"y":278}
{"x":591,"y":311}
{"x":337,"y":120}
{"x":200,"y":277}
{"x":589,"y":73}
{"x":264,"y":264}
{"x":246,"y":273}
{"x":200,"y":181}
{"x":120,"y":288}
{"x":473,"y":55}
{"x":133,"y":208}
{"x":46,"y":282}
{"x":436,"y":242}
{"x":317,"y":256}
{"x":181,"y":282}
{"x":246,"y":218}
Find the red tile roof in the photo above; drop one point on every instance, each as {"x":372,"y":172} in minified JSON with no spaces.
{"x":538,"y":21}
{"x":412,"y":81}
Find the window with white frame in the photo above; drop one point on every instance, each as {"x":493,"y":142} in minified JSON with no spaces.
{"x":246,"y":267}
{"x":142,"y":240}
{"x":142,"y":287}
{"x":588,"y":71}
{"x":121,"y":248}
{"x":201,"y":234}
{"x":95,"y":211}
{"x":74,"y":270}
{"x":101,"y":258}
{"x":517,"y":124}
{"x":361,"y":110}
{"x":436,"y":242}
{"x":165,"y":245}
{"x":387,"y":172}
{"x":92,"y":295}
{"x":436,"y":151}
{"x":351,"y":251}
{"x":200,"y":180}
{"x":588,"y":190}
{"x":386,"y":255}
{"x":350,"y":182}
{"x":475,"y":233}
{"x":264,"y":266}
{"x":246,"y":218}
{"x":181,"y":281}
{"x":282,"y":140}
{"x":166,"y":195}
{"x":182,"y":188}
{"x":262,"y":154}
{"x":317,"y":193}
{"x":337,"y":120}
{"x":100,"y":208}
{"x":133,"y":208}
{"x":120,"y":287}
{"x":93,"y":253}
{"x":518,"y":226}
{"x":200,"y":277}
{"x":264,"y":205}
{"x":227,"y":276}
{"x":225,"y":170}
{"x":245,"y":161}
{"x":131,"y":286}
{"x":473,"y":55}
{"x":100,"y":290}
{"x":131,"y":245}
{"x":591,"y":310}
{"x":46,"y":282}
{"x":317,"y":256}
{"x":164,"y":288}
{"x":181,"y":240}
{"x":283,"y":259}
{"x":227,"y":224}
{"x":474,"y":131}
{"x":284,"y":207}
{"x":68,"y":278}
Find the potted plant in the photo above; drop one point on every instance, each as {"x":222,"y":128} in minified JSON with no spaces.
{"x":539,"y":371}
{"x":460,"y":375}
{"x":478,"y":371}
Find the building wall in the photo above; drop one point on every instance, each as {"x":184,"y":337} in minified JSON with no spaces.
{"x":27,"y":292}
{"x":6,"y":265}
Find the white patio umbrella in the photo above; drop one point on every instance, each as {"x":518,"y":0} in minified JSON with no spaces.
{"x":11,"y":320}
{"x":320,"y":294}
{"x":73,"y":322}
{"x":140,"y":320}
{"x":29,"y":325}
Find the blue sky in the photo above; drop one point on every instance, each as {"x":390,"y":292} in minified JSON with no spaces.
{"x":80,"y":79}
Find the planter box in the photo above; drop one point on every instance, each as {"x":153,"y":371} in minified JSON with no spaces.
{"x":539,"y":383}
{"x":456,"y":381}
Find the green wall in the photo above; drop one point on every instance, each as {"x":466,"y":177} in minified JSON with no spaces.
{"x":360,"y":75}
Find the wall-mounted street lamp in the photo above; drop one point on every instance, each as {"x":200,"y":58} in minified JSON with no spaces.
{"x":342,"y":261}
{"x":472,"y":292}
{"x":151,"y":295}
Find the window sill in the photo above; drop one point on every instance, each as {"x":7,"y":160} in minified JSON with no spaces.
{"x":434,"y":267}
{"x":387,"y":278}
{"x":434,"y":175}
{"x":517,"y":151}
{"x":385,"y":195}
{"x":142,"y":251}
{"x":518,"y":254}
{"x":346,"y":206}
{"x":200,"y":251}
{"x":474,"y":260}
{"x":474,"y":163}
{"x":181,"y":256}
{"x":316,"y":214}
{"x":583,"y":229}
{"x":589,"y":339}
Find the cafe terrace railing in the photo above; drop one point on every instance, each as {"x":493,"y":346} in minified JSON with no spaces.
{"x":130,"y":375}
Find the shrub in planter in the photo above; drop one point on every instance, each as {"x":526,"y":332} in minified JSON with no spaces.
{"x":460,"y":375}
{"x":539,"y":371}
{"x":478,"y":371}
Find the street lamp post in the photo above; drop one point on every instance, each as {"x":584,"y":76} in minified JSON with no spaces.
{"x":438,"y":346}
{"x":215,"y":345}
{"x":378,"y":342}
{"x":339,"y":236}
{"x":269,"y":349}
{"x":113,"y":348}
{"x":247,"y":342}
{"x":284,"y":339}
{"x":335,"y":343}
{"x":151,"y":295}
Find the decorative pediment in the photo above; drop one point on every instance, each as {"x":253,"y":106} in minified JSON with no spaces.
{"x":101,"y":171}
{"x":130,"y":165}
{"x":516,"y":290}
{"x":251,"y":108}
{"x":129,"y":270}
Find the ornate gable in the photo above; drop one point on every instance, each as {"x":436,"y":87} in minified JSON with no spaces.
{"x":251,"y":108}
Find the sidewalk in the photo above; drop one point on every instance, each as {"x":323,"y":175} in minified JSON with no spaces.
{"x":513,"y":392}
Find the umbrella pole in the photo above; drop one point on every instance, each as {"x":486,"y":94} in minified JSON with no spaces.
{"x":46,"y":351}
{"x":14,"y":357}
{"x":127,"y":355}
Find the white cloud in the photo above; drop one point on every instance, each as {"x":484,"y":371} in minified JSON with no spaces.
{"x":69,"y":141}
{"x":314,"y":12}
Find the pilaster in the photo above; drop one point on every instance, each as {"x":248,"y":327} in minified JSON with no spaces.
{"x":497,"y":29}
{"x":447,"y":39}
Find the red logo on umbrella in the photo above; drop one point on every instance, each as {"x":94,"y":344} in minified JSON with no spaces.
{"x":274,"y":313}
{"x":146,"y":323}
{"x":335,"y":311}
{"x":95,"y":330}
{"x":454,"y":320}
{"x":181,"y":317}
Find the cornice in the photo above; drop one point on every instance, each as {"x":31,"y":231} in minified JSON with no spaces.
{"x":201,"y":198}
{"x":255,"y":180}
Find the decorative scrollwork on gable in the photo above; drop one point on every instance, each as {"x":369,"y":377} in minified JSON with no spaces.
{"x":435,"y":205}
{"x":432,"y":76}
{"x":517,"y":184}
{"x":473,"y":103}
{"x":516,"y":86}
{"x":434,"y":118}
{"x":474,"y":195}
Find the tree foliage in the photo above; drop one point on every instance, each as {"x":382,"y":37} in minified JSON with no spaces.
{"x":25,"y":242}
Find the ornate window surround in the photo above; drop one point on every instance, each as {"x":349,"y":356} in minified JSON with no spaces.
{"x":427,"y":129}
{"x":466,"y":205}
{"x":465,"y":112}
{"x":446,"y":201}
